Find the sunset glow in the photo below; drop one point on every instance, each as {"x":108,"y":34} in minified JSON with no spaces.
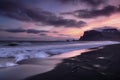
{"x":40,"y":20}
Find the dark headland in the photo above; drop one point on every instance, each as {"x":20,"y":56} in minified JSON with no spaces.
{"x":100,"y":64}
{"x":105,"y":34}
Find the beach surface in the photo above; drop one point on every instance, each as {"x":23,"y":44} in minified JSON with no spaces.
{"x":100,"y":64}
{"x":56,"y":66}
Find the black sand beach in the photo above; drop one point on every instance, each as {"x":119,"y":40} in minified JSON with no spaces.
{"x":101,"y":64}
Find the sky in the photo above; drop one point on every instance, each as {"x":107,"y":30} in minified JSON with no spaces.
{"x":51,"y":20}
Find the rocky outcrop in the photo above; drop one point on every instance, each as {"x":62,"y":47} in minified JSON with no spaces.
{"x":106,"y":34}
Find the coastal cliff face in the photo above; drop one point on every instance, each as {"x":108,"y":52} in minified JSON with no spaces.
{"x":106,"y":34}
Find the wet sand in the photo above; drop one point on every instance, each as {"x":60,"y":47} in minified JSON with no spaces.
{"x":52,"y":68}
{"x":30,"y":67}
{"x":101,"y":64}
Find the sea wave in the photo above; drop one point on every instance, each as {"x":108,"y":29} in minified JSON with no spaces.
{"x":43,"y":51}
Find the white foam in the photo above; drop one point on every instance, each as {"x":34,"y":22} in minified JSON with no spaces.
{"x":41,"y":54}
{"x":8,"y":64}
{"x":101,"y":57}
{"x":21,"y":56}
{"x":43,"y":51}
{"x":25,"y":44}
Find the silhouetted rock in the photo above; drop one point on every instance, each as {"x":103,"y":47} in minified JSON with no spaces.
{"x":12,"y":44}
{"x":91,"y":35}
{"x":106,"y":34}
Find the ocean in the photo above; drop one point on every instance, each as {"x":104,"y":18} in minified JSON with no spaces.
{"x":27,"y":59}
{"x":10,"y":55}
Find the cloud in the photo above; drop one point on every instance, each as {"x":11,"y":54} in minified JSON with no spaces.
{"x":92,"y":3}
{"x":54,"y":32}
{"x":63,"y":35}
{"x":105,"y":27}
{"x":106,"y":11}
{"x":66,"y":22}
{"x":43,"y":34}
{"x":36,"y":31}
{"x":14,"y":30}
{"x":12,"y":9}
{"x":18,"y":11}
{"x":33,"y":31}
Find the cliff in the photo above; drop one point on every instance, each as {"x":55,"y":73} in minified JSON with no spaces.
{"x":106,"y":34}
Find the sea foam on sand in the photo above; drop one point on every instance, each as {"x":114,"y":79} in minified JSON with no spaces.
{"x":43,"y":51}
{"x":30,"y":67}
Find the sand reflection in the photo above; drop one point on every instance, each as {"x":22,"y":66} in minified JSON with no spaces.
{"x":32,"y":67}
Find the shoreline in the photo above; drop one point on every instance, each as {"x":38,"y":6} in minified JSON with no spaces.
{"x":29,"y":68}
{"x":101,"y":64}
{"x":17,"y":54}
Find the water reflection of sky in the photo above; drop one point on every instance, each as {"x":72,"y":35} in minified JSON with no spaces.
{"x":70,"y":54}
{"x":35,"y":66}
{"x":30,"y":67}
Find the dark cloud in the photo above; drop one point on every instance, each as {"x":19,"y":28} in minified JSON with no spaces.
{"x":66,"y":22}
{"x":36,"y":31}
{"x":43,"y":34}
{"x":15,"y":30}
{"x":18,"y":11}
{"x":104,"y":27}
{"x":106,"y":11}
{"x":15,"y":10}
{"x":33,"y":31}
{"x":12,"y":9}
{"x":92,"y":3}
